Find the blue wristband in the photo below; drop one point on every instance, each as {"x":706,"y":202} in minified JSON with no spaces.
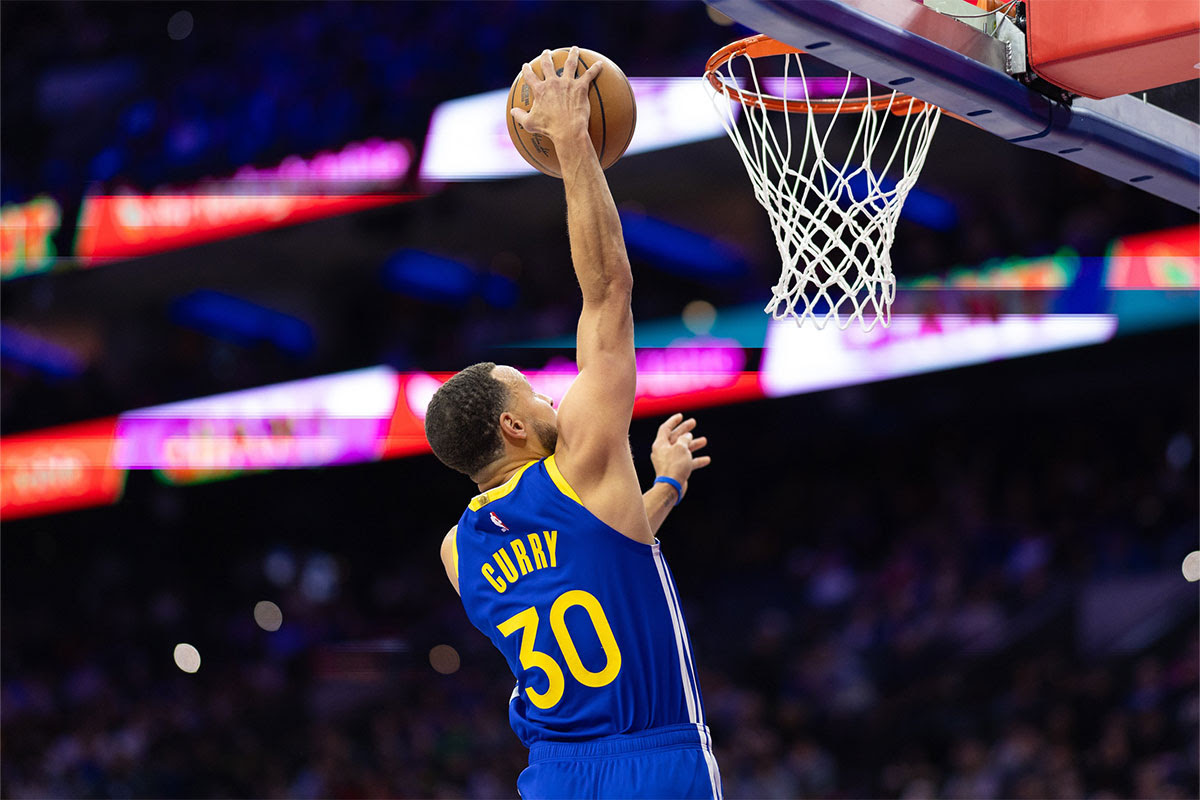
{"x":674,"y":483}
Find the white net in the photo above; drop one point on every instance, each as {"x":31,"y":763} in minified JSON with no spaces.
{"x":833,"y":194}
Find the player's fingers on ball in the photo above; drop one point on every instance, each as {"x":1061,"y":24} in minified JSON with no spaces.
{"x":522,"y":118}
{"x":547,"y":64}
{"x":594,"y":70}
{"x":572,"y":62}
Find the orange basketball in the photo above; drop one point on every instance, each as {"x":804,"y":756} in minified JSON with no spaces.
{"x":613,"y":115}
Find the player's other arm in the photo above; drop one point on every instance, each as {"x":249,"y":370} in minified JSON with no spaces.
{"x":674,"y":457}
{"x":593,"y":419}
{"x":450,"y":557}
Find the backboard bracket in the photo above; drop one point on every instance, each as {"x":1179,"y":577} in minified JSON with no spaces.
{"x":903,"y":44}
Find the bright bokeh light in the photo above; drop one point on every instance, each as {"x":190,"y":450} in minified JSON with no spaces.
{"x":1191,"y":566}
{"x":187,"y":658}
{"x":267,"y":615}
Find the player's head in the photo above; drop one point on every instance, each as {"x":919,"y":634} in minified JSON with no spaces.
{"x":485,"y":413}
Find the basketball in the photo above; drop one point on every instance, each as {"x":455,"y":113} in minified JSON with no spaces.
{"x":612,"y":120}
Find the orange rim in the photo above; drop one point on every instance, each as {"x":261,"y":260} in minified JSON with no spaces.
{"x":761,"y":45}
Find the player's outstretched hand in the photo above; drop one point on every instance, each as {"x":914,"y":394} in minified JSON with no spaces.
{"x":560,"y":100}
{"x":674,"y":450}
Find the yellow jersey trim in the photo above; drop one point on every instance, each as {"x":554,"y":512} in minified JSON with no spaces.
{"x":454,"y":551}
{"x":481,"y":500}
{"x":560,"y":481}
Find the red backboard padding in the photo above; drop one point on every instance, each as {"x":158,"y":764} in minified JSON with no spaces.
{"x":1104,"y":48}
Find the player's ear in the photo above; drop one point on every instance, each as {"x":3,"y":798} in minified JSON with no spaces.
{"x":512,"y":426}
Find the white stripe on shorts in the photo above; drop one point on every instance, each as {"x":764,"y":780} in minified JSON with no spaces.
{"x":714,"y":773}
{"x":691,"y":689}
{"x":687,"y":646}
{"x":675,"y":623}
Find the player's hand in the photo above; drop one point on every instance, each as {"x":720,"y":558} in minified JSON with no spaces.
{"x":560,"y":101}
{"x":674,"y":450}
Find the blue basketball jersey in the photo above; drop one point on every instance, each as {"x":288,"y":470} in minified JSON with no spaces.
{"x":588,"y":619}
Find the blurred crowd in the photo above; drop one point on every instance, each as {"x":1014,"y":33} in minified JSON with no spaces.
{"x":902,"y":613}
{"x":144,"y":95}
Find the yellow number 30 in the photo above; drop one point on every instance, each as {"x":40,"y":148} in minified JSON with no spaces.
{"x":527,"y":620}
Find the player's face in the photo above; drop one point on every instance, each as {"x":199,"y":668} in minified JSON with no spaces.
{"x":534,"y":408}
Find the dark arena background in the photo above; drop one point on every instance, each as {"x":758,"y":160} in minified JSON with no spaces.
{"x":241,"y":243}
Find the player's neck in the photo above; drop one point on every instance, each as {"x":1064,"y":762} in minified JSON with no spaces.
{"x":500,"y":471}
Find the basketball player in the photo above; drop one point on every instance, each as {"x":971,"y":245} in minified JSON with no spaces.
{"x":556,"y":559}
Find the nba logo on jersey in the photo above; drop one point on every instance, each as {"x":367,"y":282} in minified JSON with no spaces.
{"x":497,"y":521}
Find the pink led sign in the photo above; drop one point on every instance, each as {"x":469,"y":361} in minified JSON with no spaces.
{"x":357,"y":166}
{"x":334,"y":419}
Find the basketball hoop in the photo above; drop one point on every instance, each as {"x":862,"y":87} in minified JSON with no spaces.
{"x":832,"y":206}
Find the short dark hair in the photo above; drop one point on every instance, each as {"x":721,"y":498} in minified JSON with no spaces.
{"x":462,"y":422}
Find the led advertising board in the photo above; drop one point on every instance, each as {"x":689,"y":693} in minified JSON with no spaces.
{"x":1160,"y":260}
{"x":125,"y":226}
{"x":59,"y":469}
{"x":333,"y":419}
{"x":468,"y":137}
{"x":26,"y":229}
{"x":801,"y":359}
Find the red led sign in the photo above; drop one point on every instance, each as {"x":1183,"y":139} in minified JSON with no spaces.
{"x":59,"y":469}
{"x":125,"y":226}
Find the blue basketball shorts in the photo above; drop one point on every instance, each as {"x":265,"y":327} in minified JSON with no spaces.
{"x":674,"y":761}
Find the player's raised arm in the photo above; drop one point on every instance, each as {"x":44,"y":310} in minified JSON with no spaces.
{"x":593,"y":419}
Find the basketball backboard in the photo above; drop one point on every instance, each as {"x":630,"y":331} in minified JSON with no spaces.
{"x":970,"y":71}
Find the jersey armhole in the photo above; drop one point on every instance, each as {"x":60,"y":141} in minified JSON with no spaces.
{"x":561,"y":484}
{"x":559,"y":481}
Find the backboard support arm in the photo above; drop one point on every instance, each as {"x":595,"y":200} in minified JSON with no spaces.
{"x":904,"y":45}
